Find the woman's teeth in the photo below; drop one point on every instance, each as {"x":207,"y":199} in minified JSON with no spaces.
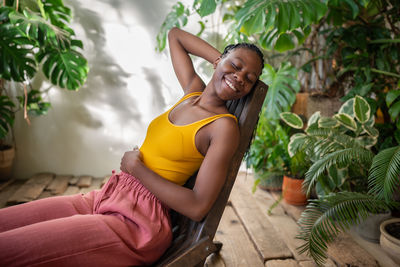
{"x":231,"y":85}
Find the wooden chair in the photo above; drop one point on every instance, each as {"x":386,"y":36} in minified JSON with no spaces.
{"x":193,"y":241}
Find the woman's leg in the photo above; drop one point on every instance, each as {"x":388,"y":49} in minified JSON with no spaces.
{"x":80,"y":240}
{"x":45,"y":209}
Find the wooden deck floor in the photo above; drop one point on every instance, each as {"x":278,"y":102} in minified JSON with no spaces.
{"x":249,"y":235}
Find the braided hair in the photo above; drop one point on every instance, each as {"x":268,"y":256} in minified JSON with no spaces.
{"x":249,"y":46}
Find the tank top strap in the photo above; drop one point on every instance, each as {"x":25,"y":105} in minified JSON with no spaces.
{"x":213,"y":118}
{"x":184,"y":98}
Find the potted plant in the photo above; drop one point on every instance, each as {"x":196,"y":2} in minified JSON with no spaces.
{"x":267,"y":153}
{"x":35,"y":36}
{"x":344,"y":142}
{"x":292,"y":186}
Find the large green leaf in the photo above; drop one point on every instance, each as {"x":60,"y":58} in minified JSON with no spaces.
{"x":16,"y":55}
{"x":37,"y":28}
{"x":385,"y":172}
{"x":392,"y":96}
{"x":177,"y":17}
{"x":204,"y":7}
{"x":362,"y":110}
{"x":325,"y":218}
{"x":283,"y":86}
{"x":280,"y":21}
{"x":67,"y":69}
{"x":394,"y":110}
{"x":58,"y":13}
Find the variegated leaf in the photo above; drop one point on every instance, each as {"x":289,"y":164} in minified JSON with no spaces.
{"x":314,"y":118}
{"x":291,"y":119}
{"x":325,"y":122}
{"x":361,"y":108}
{"x":347,"y":121}
{"x":296,"y":141}
{"x":366,"y":141}
{"x":371,"y":131}
{"x":347,"y":107}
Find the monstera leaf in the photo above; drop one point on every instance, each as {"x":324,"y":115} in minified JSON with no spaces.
{"x":279,"y":22}
{"x":177,"y":17}
{"x":283,"y":86}
{"x":65,"y":68}
{"x":16,"y":60}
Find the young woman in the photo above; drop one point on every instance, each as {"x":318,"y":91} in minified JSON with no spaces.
{"x":127,"y":222}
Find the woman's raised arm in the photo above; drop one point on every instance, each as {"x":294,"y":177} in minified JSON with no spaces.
{"x":181,"y":45}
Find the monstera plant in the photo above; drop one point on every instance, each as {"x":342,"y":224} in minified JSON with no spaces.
{"x":352,"y":182}
{"x":35,"y":36}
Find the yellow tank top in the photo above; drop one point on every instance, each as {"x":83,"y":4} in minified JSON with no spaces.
{"x":170,"y":150}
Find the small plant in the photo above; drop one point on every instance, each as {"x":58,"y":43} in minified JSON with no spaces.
{"x":268,"y":152}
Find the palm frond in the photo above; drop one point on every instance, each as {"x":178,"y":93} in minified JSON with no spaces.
{"x":325,"y":218}
{"x":340,"y":157}
{"x":384,"y":174}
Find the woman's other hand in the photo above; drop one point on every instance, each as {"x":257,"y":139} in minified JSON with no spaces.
{"x":131,"y":160}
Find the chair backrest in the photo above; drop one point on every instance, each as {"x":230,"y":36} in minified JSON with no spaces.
{"x":187,"y":232}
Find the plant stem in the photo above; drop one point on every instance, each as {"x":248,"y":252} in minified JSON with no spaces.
{"x":385,"y":72}
{"x":384,"y":41}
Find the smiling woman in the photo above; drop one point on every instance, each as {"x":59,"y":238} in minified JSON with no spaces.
{"x":127,"y":222}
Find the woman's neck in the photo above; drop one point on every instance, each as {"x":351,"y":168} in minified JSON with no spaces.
{"x":210,"y":101}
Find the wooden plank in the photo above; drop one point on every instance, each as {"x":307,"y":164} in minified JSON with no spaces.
{"x":71,"y":190}
{"x":292,"y":210}
{"x":45,"y":194}
{"x":345,"y":252}
{"x":74,"y":180}
{"x":268,"y":242}
{"x":95,"y":185}
{"x":84,"y":181}
{"x":8,"y":191}
{"x":282,"y":263}
{"x":237,"y":249}
{"x":31,"y":189}
{"x":59,"y":184}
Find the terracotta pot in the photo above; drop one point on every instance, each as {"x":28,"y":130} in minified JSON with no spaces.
{"x":390,"y":238}
{"x":291,"y":190}
{"x":6,"y":161}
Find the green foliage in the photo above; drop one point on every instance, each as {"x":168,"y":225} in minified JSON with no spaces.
{"x":325,"y":218}
{"x":37,"y":35}
{"x":282,"y":88}
{"x":177,"y":17}
{"x":6,"y":115}
{"x":341,"y":142}
{"x":268,"y":150}
{"x":384,"y":173}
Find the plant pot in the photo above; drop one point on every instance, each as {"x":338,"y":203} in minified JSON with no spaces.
{"x":269,"y":181}
{"x":6,"y":160}
{"x":369,"y":228}
{"x":390,"y":238}
{"x":292,"y":192}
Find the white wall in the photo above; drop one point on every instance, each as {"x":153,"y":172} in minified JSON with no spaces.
{"x":129,"y":83}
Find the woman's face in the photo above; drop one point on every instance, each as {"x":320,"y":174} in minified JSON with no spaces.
{"x":236,"y":73}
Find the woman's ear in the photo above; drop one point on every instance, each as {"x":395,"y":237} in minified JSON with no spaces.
{"x":216,"y":62}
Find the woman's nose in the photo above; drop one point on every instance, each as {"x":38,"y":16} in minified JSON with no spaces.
{"x":239,"y":77}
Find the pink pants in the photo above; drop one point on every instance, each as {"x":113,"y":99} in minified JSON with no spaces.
{"x":121,"y":225}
